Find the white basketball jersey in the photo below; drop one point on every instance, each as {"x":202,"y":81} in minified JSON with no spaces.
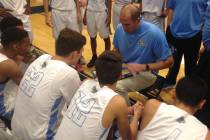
{"x":47,"y":84}
{"x":63,"y":5}
{"x":3,"y":57}
{"x":83,"y":119}
{"x":172,"y":123}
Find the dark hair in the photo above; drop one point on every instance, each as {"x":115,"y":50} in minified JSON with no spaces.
{"x":69,"y":41}
{"x":9,"y":22}
{"x":108,"y":67}
{"x":191,"y":90}
{"x":12,"y":35}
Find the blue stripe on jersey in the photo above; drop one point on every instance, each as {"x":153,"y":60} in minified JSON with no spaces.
{"x":2,"y":87}
{"x":3,"y":111}
{"x":53,"y":119}
{"x":104,"y":132}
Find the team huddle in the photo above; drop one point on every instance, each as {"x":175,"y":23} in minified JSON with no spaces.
{"x":43,"y":97}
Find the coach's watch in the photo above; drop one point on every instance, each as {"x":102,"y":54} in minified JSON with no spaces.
{"x":147,"y":67}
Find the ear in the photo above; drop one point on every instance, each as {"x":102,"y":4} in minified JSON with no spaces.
{"x":14,"y":46}
{"x":201,"y":104}
{"x":71,"y":55}
{"x":172,"y":92}
{"x":138,"y":20}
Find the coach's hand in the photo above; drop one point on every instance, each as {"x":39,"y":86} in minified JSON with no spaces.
{"x":134,"y":67}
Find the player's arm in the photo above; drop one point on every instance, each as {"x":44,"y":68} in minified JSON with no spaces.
{"x":137,"y":113}
{"x":208,"y":136}
{"x":127,"y":131}
{"x":12,"y":70}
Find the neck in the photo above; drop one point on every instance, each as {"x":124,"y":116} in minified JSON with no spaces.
{"x":186,"y":108}
{"x":10,"y":54}
{"x":64,"y":59}
{"x":111,"y":86}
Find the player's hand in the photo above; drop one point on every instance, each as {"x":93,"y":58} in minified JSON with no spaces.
{"x":48,"y":21}
{"x":130,"y":110}
{"x":137,"y":109}
{"x":27,"y":9}
{"x":108,"y":21}
{"x":134,"y":67}
{"x":5,"y":12}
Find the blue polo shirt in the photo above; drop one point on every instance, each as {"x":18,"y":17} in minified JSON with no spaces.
{"x":188,"y":17}
{"x":206,"y":30}
{"x":146,"y":45}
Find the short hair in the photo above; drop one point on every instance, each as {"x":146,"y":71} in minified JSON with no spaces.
{"x":108,"y":67}
{"x":191,"y":90}
{"x":69,"y":41}
{"x":9,"y":22}
{"x":13,"y":35}
{"x":133,"y":10}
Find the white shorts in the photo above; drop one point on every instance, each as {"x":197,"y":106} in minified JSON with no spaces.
{"x":153,"y":18}
{"x":64,"y":19}
{"x":116,"y":15}
{"x":96,"y":23}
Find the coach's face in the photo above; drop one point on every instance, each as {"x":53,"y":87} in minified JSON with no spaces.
{"x":129,"y":25}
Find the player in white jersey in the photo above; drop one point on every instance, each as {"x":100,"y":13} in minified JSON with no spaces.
{"x":176,"y":122}
{"x":15,"y":42}
{"x":48,"y":83}
{"x":65,"y":14}
{"x":154,"y":11}
{"x":20,"y":9}
{"x":96,"y":105}
{"x":116,"y":11}
{"x":98,"y":19}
